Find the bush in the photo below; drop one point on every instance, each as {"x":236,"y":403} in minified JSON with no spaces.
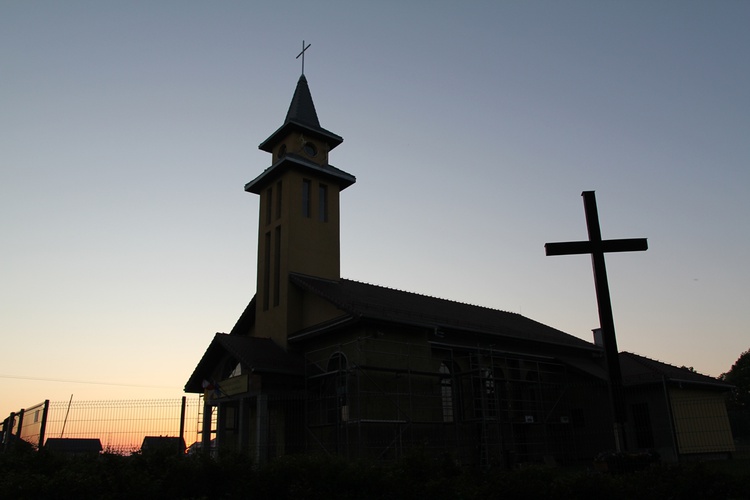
{"x":36,"y":475}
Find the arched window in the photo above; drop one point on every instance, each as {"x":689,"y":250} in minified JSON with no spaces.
{"x":446,"y":392}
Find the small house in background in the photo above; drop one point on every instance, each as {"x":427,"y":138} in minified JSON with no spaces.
{"x":677,"y":412}
{"x":163,"y":444}
{"x":73,"y":446}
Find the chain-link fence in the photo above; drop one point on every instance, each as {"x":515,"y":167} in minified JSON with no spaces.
{"x":120,"y":425}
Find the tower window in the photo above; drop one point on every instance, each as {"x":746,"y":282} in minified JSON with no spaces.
{"x":278,"y":199}
{"x":266,"y":271}
{"x":306,"y":188}
{"x":323,"y":203}
{"x":269,"y":204}
{"x":277,"y":266}
{"x":310,"y":149}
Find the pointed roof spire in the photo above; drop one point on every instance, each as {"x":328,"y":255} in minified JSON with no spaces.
{"x":302,"y":116}
{"x":302,"y":108}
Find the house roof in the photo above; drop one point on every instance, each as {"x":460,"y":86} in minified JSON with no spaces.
{"x":157,"y":443}
{"x":258,"y":355}
{"x":638,"y":370}
{"x":73,"y":445}
{"x":363,"y":300}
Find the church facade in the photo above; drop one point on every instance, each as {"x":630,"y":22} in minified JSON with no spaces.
{"x":321,"y":364}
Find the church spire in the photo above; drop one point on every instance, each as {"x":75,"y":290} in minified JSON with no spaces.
{"x":302,"y":108}
{"x":301,"y":117}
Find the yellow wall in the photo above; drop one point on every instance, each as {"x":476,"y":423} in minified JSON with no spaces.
{"x":289,"y":241}
{"x":701,"y":421}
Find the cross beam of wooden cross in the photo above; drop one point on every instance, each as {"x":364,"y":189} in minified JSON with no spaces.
{"x":302,"y":54}
{"x":597,"y":248}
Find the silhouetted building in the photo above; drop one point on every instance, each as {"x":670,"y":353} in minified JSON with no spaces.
{"x":163,"y":444}
{"x":73,"y":446}
{"x":321,"y":364}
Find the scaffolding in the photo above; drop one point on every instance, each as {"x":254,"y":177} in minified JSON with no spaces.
{"x":378,"y":398}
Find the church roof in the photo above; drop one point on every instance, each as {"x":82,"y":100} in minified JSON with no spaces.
{"x":638,"y":369}
{"x":258,"y":355}
{"x":302,"y":116}
{"x":302,"y":108}
{"x":380,"y":303}
{"x":343,"y":179}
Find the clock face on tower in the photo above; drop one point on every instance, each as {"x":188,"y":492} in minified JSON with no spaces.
{"x":310,"y":149}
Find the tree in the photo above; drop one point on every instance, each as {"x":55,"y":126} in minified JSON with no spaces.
{"x":739,"y":377}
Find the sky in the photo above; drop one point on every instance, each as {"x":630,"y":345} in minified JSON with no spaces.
{"x":128,"y":130}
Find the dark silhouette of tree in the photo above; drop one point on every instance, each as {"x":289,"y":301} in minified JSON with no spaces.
{"x":739,"y":377}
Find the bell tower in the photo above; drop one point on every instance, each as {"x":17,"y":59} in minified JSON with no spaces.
{"x":298,"y":230}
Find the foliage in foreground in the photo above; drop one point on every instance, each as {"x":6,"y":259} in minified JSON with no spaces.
{"x":108,"y":476}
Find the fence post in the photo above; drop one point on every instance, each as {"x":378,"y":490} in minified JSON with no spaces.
{"x":3,"y":436}
{"x":20,"y":424}
{"x":181,"y":441}
{"x":8,"y":430}
{"x":43,"y":427}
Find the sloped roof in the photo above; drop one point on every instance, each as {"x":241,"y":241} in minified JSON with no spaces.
{"x":73,"y":445}
{"x":302,"y":108}
{"x":387,"y":304}
{"x":246,"y":320}
{"x":259,"y":355}
{"x":638,"y":369}
{"x":343,"y":179}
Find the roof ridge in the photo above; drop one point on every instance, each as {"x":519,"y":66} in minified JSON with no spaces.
{"x":361,"y":299}
{"x":434,"y":297}
{"x":641,"y":359}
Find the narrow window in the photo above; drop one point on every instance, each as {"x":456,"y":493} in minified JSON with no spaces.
{"x":323,"y":203}
{"x":278,"y":199}
{"x":306,"y":187}
{"x":269,"y":204}
{"x":277,"y":266}
{"x":446,"y":391}
{"x":266,"y":271}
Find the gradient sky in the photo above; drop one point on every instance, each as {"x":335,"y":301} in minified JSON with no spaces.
{"x":128,"y":130}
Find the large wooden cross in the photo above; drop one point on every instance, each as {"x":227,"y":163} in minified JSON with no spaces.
{"x":597,"y":248}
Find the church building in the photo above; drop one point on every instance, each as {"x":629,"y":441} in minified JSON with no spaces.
{"x":321,"y":364}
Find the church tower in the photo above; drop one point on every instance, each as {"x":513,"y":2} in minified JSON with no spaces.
{"x":298,"y":230}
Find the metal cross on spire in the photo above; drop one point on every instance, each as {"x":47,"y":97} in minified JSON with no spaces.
{"x":597,"y":247}
{"x":302,"y":54}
